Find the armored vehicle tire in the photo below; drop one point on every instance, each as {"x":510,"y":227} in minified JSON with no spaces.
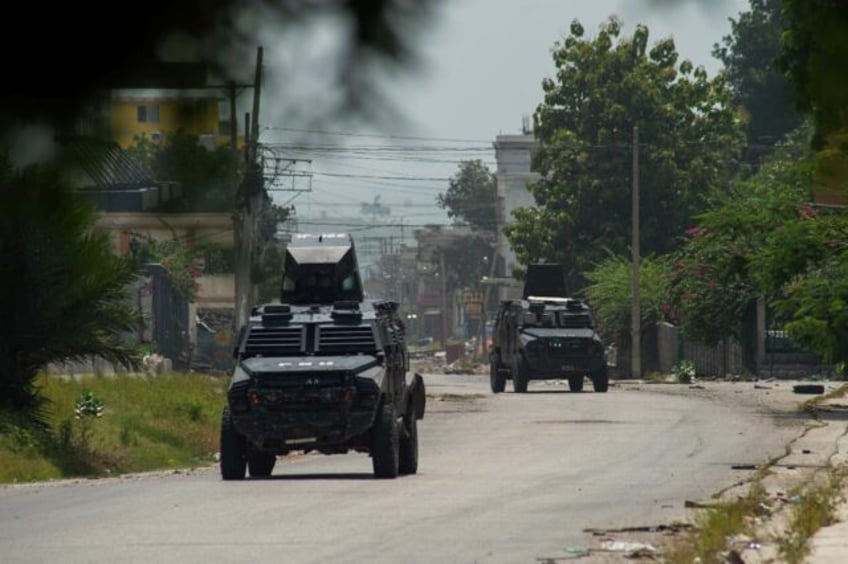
{"x":497,"y":378}
{"x":233,"y":449}
{"x":600,"y":381}
{"x":260,"y":464}
{"x":408,"y":455}
{"x":385,"y":452}
{"x":575,"y":383}
{"x":519,"y":375}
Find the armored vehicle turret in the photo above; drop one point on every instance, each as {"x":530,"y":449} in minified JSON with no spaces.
{"x":546,"y":335}
{"x":324,"y":370}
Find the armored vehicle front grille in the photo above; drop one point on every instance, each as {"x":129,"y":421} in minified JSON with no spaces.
{"x":345,"y":339}
{"x":274,"y":341}
{"x":296,"y":380}
{"x":302,"y":392}
{"x":575,"y":345}
{"x":564,"y":347}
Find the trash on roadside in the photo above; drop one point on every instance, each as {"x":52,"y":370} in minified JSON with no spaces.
{"x":748,"y":543}
{"x":631,"y":549}
{"x":576,"y":552}
{"x":699,"y":504}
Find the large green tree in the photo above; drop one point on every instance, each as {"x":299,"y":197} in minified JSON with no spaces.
{"x":760,"y":89}
{"x":470,"y":200}
{"x":815,"y":48}
{"x":689,"y":139}
{"x":471,"y":195}
{"x":468,"y":260}
{"x":64,"y":293}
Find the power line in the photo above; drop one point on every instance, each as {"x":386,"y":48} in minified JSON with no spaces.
{"x":376,"y":177}
{"x":372,"y":135}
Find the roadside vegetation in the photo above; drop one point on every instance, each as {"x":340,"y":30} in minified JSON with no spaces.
{"x":714,"y":526}
{"x":805,"y":508}
{"x":810,"y":506}
{"x":106,"y":425}
{"x":815,"y":508}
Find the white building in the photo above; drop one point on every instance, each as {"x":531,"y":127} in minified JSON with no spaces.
{"x":513,"y":154}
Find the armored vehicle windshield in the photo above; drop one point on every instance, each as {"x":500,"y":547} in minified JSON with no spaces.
{"x":320,"y":269}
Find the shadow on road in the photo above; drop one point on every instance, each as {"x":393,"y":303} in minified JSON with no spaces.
{"x":316,"y":476}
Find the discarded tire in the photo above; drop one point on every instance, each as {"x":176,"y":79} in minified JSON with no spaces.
{"x":808,"y":389}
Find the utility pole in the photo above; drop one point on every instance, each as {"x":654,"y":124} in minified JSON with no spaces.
{"x":492,"y":271}
{"x":636,"y":305}
{"x":248,"y":206}
{"x":444,"y":295}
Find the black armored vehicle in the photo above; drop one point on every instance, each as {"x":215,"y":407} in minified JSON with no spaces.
{"x":546,"y":335}
{"x":324,"y":371}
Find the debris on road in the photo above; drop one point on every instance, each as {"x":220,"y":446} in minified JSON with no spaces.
{"x":808,"y":388}
{"x":630,"y":549}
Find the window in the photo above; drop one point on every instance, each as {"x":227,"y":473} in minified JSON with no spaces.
{"x":348,"y":284}
{"x":148,"y":114}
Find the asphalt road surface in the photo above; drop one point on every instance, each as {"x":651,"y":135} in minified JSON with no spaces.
{"x":509,"y":478}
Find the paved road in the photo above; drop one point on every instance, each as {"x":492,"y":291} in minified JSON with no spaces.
{"x":506,"y":478}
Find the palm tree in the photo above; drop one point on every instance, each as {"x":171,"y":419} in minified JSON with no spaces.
{"x":64,"y":294}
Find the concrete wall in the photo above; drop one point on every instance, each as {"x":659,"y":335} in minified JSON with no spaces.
{"x":215,"y":291}
{"x":215,"y":228}
{"x":668,"y":349}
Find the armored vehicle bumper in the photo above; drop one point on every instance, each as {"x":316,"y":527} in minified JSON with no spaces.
{"x":305,"y":403}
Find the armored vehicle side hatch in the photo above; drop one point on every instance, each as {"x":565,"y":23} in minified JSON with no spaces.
{"x":544,"y":280}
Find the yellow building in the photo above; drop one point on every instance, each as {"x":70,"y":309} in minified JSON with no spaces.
{"x":159,"y":113}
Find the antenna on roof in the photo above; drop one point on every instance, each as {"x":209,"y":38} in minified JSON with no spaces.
{"x":525,"y":124}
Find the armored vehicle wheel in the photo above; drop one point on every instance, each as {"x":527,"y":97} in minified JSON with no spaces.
{"x":233,"y":449}
{"x":260,"y":464}
{"x":385,"y":451}
{"x":575,"y":383}
{"x":408,"y":456}
{"x":600,"y":381}
{"x":497,"y":378}
{"x":519,"y":375}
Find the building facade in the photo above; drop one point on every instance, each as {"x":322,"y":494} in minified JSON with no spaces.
{"x":513,"y":154}
{"x":157,"y":113}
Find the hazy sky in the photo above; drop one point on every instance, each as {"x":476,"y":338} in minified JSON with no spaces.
{"x":482,"y":66}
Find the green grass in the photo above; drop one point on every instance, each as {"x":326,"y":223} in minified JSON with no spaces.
{"x":149,"y":423}
{"x":715,"y":525}
{"x":814,"y":509}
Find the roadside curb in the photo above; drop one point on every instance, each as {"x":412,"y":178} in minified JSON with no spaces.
{"x":830,"y":544}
